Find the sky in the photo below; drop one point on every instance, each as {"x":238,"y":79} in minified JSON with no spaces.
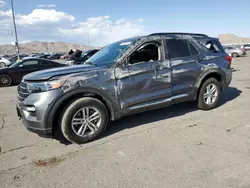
{"x":100,"y":22}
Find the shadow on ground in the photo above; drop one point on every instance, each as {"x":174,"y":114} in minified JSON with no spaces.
{"x":173,"y":111}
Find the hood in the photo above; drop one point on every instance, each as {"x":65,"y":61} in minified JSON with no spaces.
{"x":49,"y":73}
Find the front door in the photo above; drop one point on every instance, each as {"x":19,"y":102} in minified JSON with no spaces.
{"x":138,"y":84}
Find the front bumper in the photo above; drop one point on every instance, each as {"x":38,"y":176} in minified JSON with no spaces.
{"x":35,"y":120}
{"x":33,"y":126}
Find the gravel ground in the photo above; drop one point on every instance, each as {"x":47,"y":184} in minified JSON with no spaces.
{"x":174,"y":147}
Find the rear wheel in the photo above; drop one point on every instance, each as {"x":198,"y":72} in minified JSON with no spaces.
{"x":84,"y":120}
{"x":2,"y":65}
{"x":209,"y":94}
{"x":5,"y":80}
{"x":235,"y":54}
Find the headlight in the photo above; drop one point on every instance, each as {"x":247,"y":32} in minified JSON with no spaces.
{"x":37,"y":87}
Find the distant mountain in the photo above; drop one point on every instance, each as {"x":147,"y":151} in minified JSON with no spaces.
{"x":37,"y":46}
{"x":229,"y":38}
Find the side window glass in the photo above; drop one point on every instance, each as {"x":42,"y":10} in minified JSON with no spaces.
{"x":147,"y":53}
{"x":213,"y":47}
{"x":177,"y":48}
{"x":31,"y":63}
{"x":193,"y":50}
{"x":47,"y":63}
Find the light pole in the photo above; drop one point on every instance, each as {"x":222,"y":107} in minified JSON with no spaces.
{"x":14,"y":23}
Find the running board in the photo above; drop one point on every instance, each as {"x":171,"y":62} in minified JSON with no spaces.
{"x":158,"y":102}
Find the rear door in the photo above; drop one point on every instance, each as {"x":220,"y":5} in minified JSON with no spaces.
{"x":184,"y":61}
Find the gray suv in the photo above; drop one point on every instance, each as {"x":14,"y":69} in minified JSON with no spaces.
{"x":125,"y":77}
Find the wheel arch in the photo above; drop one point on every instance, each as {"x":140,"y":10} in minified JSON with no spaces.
{"x":217,"y":74}
{"x":53,"y":114}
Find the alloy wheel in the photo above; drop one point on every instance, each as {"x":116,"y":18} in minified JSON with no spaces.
{"x":4,"y":80}
{"x":86,"y":121}
{"x":210,"y":94}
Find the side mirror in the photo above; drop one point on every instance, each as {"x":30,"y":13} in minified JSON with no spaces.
{"x":20,"y":65}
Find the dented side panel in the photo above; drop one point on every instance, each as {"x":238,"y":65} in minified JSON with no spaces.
{"x":145,"y":81}
{"x":185,"y":72}
{"x":102,"y":80}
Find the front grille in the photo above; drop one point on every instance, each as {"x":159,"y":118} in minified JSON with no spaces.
{"x":22,"y":91}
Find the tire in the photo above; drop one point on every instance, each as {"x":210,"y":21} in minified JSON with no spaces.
{"x":203,"y":102}
{"x":75,"y":109}
{"x":235,"y":54}
{"x":5,"y":80}
{"x":2,"y":65}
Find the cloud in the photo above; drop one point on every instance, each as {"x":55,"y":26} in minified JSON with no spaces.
{"x":46,"y":6}
{"x":40,"y":16}
{"x":53,"y":25}
{"x":2,"y":3}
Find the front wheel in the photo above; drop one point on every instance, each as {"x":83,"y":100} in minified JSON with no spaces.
{"x":84,"y":120}
{"x":5,"y":80}
{"x":209,"y":94}
{"x":2,"y":65}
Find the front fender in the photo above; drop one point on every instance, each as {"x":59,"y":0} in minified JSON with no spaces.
{"x":112,"y":103}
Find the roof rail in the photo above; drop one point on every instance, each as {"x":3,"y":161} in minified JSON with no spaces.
{"x":192,"y":34}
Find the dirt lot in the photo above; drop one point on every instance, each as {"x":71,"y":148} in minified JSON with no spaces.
{"x":174,"y":147}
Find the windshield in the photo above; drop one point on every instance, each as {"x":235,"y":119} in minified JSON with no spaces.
{"x":17,"y":64}
{"x":110,"y":53}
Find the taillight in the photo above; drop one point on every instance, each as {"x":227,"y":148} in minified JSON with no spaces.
{"x":228,"y":58}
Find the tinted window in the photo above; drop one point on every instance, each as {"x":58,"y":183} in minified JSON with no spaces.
{"x":193,"y":50}
{"x":30,"y":63}
{"x":49,"y":63}
{"x":177,"y":48}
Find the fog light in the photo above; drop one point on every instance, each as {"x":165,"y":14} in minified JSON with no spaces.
{"x":30,"y":109}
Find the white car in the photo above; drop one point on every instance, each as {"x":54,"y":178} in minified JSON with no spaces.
{"x":234,"y":51}
{"x":247,"y":46}
{"x":4,"y":62}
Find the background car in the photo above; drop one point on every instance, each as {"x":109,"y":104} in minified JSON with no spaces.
{"x":247,"y":46}
{"x":234,"y":51}
{"x":74,"y":60}
{"x":4,"y":62}
{"x":44,"y":56}
{"x":55,"y":56}
{"x":16,"y":71}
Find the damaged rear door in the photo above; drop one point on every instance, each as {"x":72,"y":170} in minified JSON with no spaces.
{"x":184,"y":61}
